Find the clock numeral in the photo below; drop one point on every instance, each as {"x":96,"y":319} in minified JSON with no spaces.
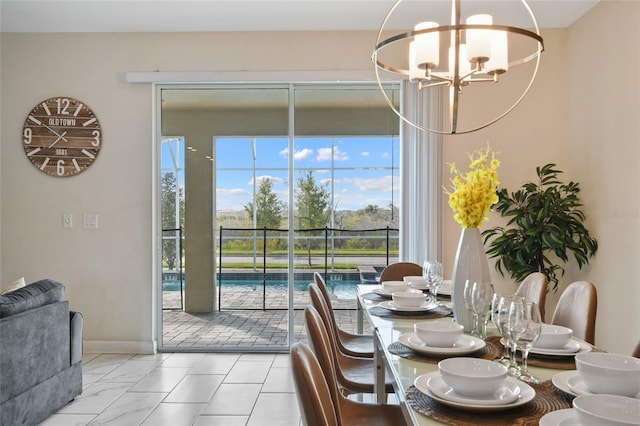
{"x":27,"y":134}
{"x":75,"y":164}
{"x":96,"y":137}
{"x":86,"y":123}
{"x":63,"y":106}
{"x":60,"y":167}
{"x":88,"y":154}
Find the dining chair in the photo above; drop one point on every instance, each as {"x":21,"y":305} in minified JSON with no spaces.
{"x":322,"y":405}
{"x":360,"y":345}
{"x":534,"y":289}
{"x":577,"y":308}
{"x":636,"y":351}
{"x":396,"y":271}
{"x":354,"y":375}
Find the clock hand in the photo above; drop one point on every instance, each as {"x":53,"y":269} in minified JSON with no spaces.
{"x":55,"y":133}
{"x":59,"y":137}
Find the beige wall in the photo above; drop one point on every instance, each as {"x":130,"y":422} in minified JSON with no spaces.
{"x":108,"y":272}
{"x":604,"y":155}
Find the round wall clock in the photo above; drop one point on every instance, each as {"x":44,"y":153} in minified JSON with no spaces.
{"x":61,"y":136}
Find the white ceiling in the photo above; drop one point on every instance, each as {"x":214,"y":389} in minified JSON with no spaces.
{"x":264,"y":15}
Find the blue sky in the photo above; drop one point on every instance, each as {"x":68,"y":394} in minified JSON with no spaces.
{"x":362,"y":174}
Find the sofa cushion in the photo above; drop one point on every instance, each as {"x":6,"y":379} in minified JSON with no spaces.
{"x":34,"y":295}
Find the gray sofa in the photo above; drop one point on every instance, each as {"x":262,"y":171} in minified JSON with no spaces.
{"x":40,"y":353}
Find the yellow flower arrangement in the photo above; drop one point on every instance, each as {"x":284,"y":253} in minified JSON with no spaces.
{"x":474,"y":192}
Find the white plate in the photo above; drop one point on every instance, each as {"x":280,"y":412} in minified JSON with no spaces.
{"x":570,"y":349}
{"x":527,"y":393}
{"x":381,"y":292}
{"x":464,"y":345}
{"x":571,"y":383}
{"x":445,"y":288}
{"x":566,"y":417}
{"x":390,"y":304}
{"x":505,"y":395}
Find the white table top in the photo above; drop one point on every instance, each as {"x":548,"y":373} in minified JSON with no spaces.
{"x":404,"y":370}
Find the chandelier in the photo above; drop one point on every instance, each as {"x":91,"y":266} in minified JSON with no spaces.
{"x":457,"y":56}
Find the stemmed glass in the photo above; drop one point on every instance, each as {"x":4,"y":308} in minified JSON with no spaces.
{"x":524,"y":327}
{"x":481,"y":297}
{"x":432,"y":274}
{"x":468,"y":304}
{"x":500,"y":316}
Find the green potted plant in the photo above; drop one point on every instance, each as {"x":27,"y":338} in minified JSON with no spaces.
{"x":545,"y":226}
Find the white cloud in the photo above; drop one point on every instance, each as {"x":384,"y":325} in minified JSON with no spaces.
{"x":380,"y":184}
{"x":274,"y":180}
{"x":386,"y":155}
{"x":303,"y":154}
{"x":324,"y":154}
{"x":365,"y":154}
{"x":231,"y":191}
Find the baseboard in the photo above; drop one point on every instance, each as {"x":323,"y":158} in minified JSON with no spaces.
{"x":120,"y":347}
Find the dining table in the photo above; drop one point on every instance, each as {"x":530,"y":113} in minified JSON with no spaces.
{"x":395,"y":355}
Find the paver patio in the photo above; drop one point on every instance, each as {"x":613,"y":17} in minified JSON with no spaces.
{"x":242,"y":324}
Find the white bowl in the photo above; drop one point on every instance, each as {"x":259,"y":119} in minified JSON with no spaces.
{"x":408,"y":299}
{"x":473,"y":377}
{"x":415,"y":281}
{"x":607,"y":410}
{"x":438,"y":334}
{"x":609,"y":373}
{"x":553,"y":336}
{"x":393,"y":286}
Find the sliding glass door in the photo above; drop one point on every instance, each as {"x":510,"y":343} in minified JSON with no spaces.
{"x":257,"y":183}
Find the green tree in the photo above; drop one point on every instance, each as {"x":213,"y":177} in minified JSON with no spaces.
{"x":268,"y":207}
{"x":312,"y":207}
{"x":168,"y":207}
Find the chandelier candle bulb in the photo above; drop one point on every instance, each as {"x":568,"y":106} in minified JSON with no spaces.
{"x":499,"y":61}
{"x":427,"y":46}
{"x":479,"y":41}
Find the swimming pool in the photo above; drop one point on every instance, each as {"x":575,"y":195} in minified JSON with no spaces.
{"x":341,"y":288}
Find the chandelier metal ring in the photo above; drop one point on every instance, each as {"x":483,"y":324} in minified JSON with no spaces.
{"x":455,"y":82}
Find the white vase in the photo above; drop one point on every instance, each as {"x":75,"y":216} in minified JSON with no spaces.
{"x":471,"y":264}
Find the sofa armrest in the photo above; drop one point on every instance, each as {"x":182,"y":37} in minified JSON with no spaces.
{"x":77,"y":327}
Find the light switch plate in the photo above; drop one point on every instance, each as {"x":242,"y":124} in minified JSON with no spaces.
{"x":67,"y":220}
{"x":90,"y":221}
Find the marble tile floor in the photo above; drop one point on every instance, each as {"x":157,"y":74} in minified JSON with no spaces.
{"x":194,"y":389}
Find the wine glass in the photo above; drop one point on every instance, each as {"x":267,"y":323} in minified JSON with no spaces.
{"x":468,"y":304}
{"x":500,"y":316}
{"x":481,"y":297}
{"x":524,"y":327}
{"x":432,"y":274}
